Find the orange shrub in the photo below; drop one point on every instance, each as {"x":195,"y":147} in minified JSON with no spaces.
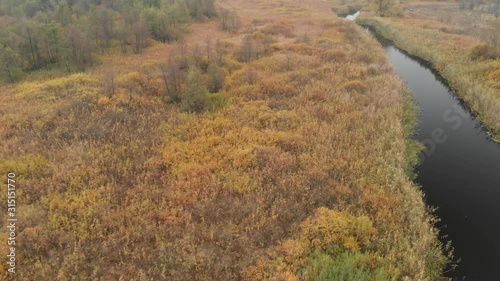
{"x":103,"y":101}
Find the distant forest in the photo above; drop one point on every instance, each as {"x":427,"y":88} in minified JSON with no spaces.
{"x":38,"y":34}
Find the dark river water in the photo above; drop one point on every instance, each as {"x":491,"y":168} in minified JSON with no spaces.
{"x":460,"y":170}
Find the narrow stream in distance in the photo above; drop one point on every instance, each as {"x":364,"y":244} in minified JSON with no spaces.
{"x":460,"y":169}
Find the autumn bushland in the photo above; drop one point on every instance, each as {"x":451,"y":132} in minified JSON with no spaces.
{"x":294,"y":164}
{"x":71,"y":36}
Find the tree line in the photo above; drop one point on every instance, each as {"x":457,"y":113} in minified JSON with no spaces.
{"x":488,"y":6}
{"x":66,"y":34}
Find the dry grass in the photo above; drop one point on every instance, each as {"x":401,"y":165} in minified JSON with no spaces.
{"x":313,"y":131}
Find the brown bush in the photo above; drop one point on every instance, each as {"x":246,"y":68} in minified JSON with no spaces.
{"x":355,"y":86}
{"x":277,"y":88}
{"x":280,"y":28}
{"x":303,"y":49}
{"x":333,"y":55}
{"x":479,"y":51}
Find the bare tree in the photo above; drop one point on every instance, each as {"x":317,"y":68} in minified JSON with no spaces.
{"x":494,"y":39}
{"x":141,"y":35}
{"x":32,"y":47}
{"x":172,"y":77}
{"x":104,"y":26}
{"x":78,"y":47}
{"x":131,"y":16}
{"x":208,"y":46}
{"x":123,"y":34}
{"x":230,"y":21}
{"x":247,"y":49}
{"x":110,"y":86}
{"x":235,"y":22}
{"x":219,"y":51}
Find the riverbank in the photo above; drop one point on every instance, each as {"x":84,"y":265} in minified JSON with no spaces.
{"x":456,"y":57}
{"x":457,"y":163}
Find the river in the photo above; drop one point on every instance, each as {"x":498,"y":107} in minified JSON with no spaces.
{"x":459,"y":170}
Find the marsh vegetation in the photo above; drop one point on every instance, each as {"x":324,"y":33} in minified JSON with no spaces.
{"x":276,"y":148}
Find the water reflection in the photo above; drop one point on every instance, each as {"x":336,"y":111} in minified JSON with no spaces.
{"x":462,"y":174}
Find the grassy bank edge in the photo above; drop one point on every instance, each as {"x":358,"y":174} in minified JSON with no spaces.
{"x":465,"y":89}
{"x":441,"y":255}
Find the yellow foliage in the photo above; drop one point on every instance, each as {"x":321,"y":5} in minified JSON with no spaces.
{"x":332,"y":227}
{"x":494,"y":78}
{"x":302,"y":49}
{"x":292,"y":250}
{"x":282,"y":120}
{"x":29,"y":165}
{"x":75,"y":212}
{"x":125,"y":80}
{"x":76,"y":85}
{"x":103,"y":101}
{"x":276,"y":88}
{"x":325,"y":228}
{"x":245,"y":75}
{"x":216,"y":101}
